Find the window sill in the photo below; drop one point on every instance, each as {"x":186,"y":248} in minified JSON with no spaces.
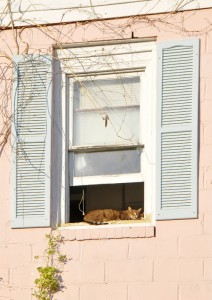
{"x":119,"y":230}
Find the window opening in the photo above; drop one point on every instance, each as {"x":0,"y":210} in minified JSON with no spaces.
{"x":103,"y":196}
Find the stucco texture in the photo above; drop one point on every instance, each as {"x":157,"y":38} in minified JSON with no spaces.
{"x":172,"y":261}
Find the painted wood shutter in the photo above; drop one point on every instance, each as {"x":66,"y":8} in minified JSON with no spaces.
{"x":31,"y":132}
{"x":177,"y":129}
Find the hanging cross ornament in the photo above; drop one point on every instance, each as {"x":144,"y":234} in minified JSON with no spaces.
{"x":106,"y":118}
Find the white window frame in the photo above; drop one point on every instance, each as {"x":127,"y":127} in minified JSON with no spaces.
{"x":71,"y":64}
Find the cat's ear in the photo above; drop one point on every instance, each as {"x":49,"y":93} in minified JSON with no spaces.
{"x":139,"y":211}
{"x":129,"y":208}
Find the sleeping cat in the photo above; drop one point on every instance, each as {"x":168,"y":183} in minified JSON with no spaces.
{"x":102,"y":216}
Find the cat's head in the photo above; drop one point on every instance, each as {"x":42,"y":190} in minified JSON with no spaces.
{"x":134,"y":213}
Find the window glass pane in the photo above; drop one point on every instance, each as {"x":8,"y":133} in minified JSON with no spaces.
{"x":106,"y":163}
{"x":93,"y":128}
{"x":102,"y":93}
{"x":106,"y":111}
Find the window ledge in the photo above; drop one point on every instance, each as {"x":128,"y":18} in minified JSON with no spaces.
{"x":110,"y":231}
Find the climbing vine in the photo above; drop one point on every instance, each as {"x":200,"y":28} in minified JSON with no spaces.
{"x":49,"y":281}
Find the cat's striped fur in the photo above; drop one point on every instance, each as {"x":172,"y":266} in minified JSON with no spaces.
{"x":103,"y":216}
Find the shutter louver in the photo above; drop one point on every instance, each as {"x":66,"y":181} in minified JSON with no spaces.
{"x":177,"y":125}
{"x":177,"y":85}
{"x":31,"y":148}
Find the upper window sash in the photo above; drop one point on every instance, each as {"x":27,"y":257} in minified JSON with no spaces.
{"x":110,"y":110}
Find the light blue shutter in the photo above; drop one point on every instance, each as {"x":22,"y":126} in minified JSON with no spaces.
{"x":31,"y":142}
{"x":177,"y":129}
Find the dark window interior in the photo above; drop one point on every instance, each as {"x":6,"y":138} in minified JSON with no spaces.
{"x":115,"y":196}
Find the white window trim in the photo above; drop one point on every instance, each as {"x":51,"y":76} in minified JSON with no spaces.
{"x":148,"y":50}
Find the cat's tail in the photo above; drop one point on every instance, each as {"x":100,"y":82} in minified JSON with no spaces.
{"x":92,"y":222}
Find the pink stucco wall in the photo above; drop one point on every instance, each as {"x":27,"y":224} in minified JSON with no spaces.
{"x":172,"y":262}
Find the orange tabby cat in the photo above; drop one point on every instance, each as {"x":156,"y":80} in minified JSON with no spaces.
{"x":102,"y":216}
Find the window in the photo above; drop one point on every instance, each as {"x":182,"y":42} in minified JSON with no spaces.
{"x":142,"y":114}
{"x":110,"y":132}
{"x":105,"y":140}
